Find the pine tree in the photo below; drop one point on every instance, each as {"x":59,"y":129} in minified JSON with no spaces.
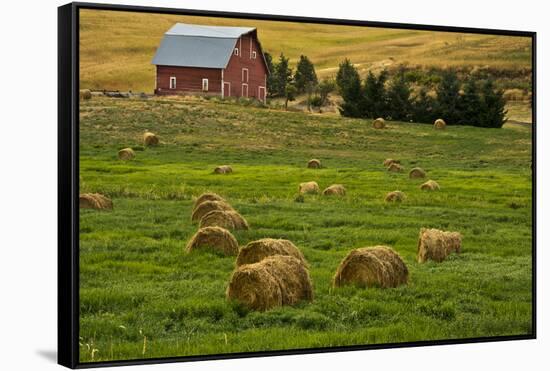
{"x":398,"y":99}
{"x":374,"y":102}
{"x":283,"y":76}
{"x":271,"y":83}
{"x":470,"y":104}
{"x":448,"y":97}
{"x":347,"y":74}
{"x":352,"y":97}
{"x":423,"y":107}
{"x":305,"y":77}
{"x":493,"y":106}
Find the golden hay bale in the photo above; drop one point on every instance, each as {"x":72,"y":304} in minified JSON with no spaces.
{"x":395,"y":196}
{"x":95,"y":201}
{"x":314,"y":164}
{"x":309,"y":187}
{"x":205,"y":207}
{"x":85,"y":94}
{"x":440,"y":124}
{"x":273,"y":282}
{"x":394,"y":167}
{"x":150,"y":139}
{"x":390,"y":161}
{"x":208,"y":196}
{"x":335,"y":189}
{"x":255,"y":251}
{"x":378,"y":266}
{"x":436,"y":245}
{"x":430,"y":185}
{"x":214,"y":237}
{"x":239,"y":221}
{"x":217,"y":218}
{"x":379,"y":123}
{"x":223,"y":169}
{"x":417,"y":173}
{"x":126,"y":154}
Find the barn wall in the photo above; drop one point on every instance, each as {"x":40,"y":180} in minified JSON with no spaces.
{"x":188,"y":80}
{"x":256,"y":67}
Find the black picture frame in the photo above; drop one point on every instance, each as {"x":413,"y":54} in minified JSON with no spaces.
{"x":68,"y":181}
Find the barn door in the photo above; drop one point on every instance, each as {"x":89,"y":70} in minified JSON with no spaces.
{"x":261,"y":93}
{"x":244,"y":92}
{"x":226,"y":89}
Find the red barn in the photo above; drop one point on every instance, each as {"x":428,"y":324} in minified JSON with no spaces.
{"x":224,"y":61}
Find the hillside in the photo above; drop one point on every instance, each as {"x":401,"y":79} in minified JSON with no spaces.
{"x":116,"y":48}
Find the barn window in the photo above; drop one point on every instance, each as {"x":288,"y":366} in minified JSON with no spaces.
{"x":172,"y":82}
{"x":236,"y":51}
{"x":254,"y":55}
{"x":245,"y":75}
{"x":204,"y":84}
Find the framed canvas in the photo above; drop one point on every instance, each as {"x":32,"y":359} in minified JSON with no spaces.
{"x":241,"y":185}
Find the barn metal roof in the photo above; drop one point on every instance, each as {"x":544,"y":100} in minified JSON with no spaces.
{"x":189,"y":45}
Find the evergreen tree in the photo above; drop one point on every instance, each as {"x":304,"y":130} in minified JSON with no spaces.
{"x":271,"y":83}
{"x":493,"y":111}
{"x":347,"y":74}
{"x":423,"y":107}
{"x":470,"y":104}
{"x":352,"y":96}
{"x":374,"y":104}
{"x":399,"y":99}
{"x":283,"y":76}
{"x":305,"y":77}
{"x":448,"y":97}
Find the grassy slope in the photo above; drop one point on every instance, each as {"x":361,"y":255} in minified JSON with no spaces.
{"x":136,"y":281}
{"x":117,"y":47}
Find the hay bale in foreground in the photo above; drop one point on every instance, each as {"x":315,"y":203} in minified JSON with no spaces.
{"x":223,"y":169}
{"x":395,"y":168}
{"x":430,"y":185}
{"x":395,"y":196}
{"x":379,"y":123}
{"x":95,"y":201}
{"x":150,"y":139}
{"x":436,"y":245}
{"x":335,"y":189}
{"x":309,"y":187}
{"x":314,"y":164}
{"x":389,"y":161}
{"x":207,"y":206}
{"x":208,"y":196}
{"x":439,"y":124}
{"x":85,"y":94}
{"x":378,"y":266}
{"x":256,"y":251}
{"x":216,"y":238}
{"x":273,"y":282}
{"x":417,"y":173}
{"x":126,"y":154}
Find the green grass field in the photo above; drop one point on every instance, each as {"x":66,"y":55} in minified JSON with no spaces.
{"x":141,"y":296}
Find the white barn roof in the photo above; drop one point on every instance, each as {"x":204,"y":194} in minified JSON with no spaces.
{"x":189,"y":45}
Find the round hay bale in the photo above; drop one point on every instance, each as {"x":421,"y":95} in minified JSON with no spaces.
{"x":440,"y":124}
{"x":273,"y":282}
{"x":217,"y":218}
{"x":314,"y":164}
{"x":205,"y":207}
{"x":208,"y":196}
{"x":309,"y":187}
{"x":395,"y":168}
{"x":390,"y":161}
{"x":379,"y":123}
{"x":85,"y":94}
{"x":255,"y":251}
{"x":95,"y":201}
{"x":395,"y":196}
{"x":223,"y":169}
{"x":335,"y":189}
{"x":216,"y":238}
{"x":436,"y":245}
{"x":239,"y":221}
{"x":126,"y":154}
{"x":417,"y":173}
{"x":430,"y":185}
{"x":378,"y":266}
{"x":150,"y":139}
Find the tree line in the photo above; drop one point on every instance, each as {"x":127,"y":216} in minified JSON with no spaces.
{"x":475,"y":101}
